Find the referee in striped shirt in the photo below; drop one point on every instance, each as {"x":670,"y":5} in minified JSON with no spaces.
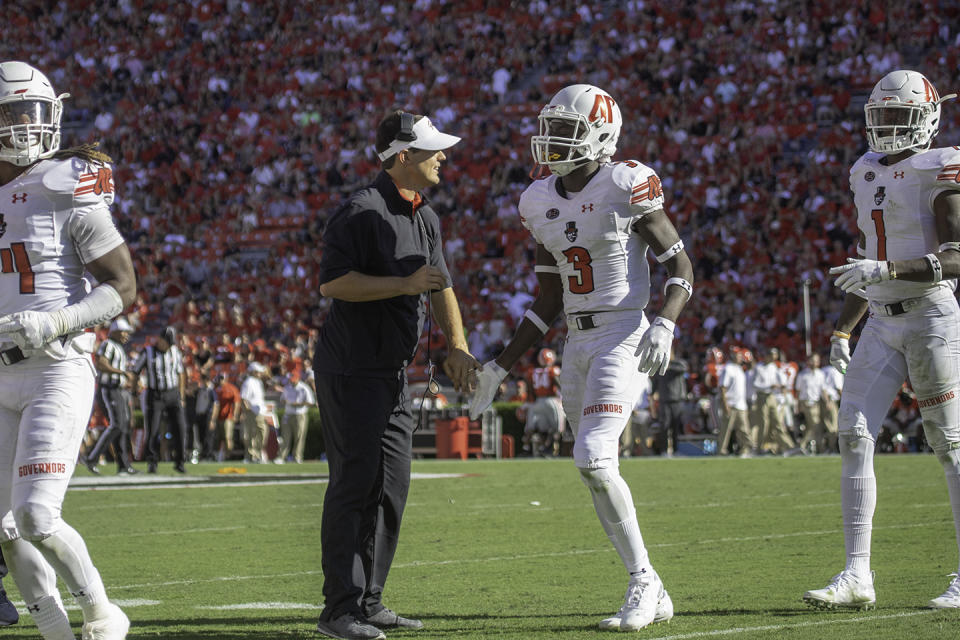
{"x":114,"y":381}
{"x":166,"y":386}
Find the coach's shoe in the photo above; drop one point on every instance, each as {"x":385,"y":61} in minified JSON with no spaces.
{"x":113,"y":626}
{"x":179,"y":468}
{"x":387,"y":619}
{"x":845,"y":591}
{"x":950,"y":598}
{"x":348,"y":627}
{"x":663,"y":613}
{"x":640,"y":604}
{"x":8,"y":613}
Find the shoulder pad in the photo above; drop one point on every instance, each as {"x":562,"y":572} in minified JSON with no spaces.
{"x":936,"y":159}
{"x":86,"y":183}
{"x":640,"y":182}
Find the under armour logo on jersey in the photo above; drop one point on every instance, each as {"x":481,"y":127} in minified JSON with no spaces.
{"x":880,"y":195}
{"x":571,"y":231}
{"x":19,"y":197}
{"x":586,"y":207}
{"x":898,"y":175}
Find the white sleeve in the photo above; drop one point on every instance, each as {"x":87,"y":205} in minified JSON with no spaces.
{"x":93,"y":232}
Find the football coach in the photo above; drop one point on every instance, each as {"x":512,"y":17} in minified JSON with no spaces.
{"x":383,"y":267}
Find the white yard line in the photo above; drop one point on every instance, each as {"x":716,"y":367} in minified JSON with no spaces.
{"x":796,"y":625}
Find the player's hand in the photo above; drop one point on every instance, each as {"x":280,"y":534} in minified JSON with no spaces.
{"x":426,"y":278}
{"x":859,"y":273}
{"x":488,"y":380}
{"x":654,"y":348}
{"x":459,"y":366}
{"x":839,"y":353}
{"x":29,"y":329}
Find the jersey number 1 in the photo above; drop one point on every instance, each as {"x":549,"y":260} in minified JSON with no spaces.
{"x":877,"y":215}
{"x":580,"y":259}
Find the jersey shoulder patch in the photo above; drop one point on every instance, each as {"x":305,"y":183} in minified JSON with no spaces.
{"x":86,"y":183}
{"x":533,"y":199}
{"x":640,"y":182}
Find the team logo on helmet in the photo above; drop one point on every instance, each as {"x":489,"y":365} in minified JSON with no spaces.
{"x":880,"y":195}
{"x":571,"y":231}
{"x":553,"y":214}
{"x":3,"y":225}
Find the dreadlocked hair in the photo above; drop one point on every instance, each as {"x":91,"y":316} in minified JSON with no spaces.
{"x":86,"y":152}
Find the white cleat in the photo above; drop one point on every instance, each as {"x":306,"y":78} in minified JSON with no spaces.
{"x":112,"y":627}
{"x":663,"y":613}
{"x":845,"y":591}
{"x":646,"y":602}
{"x":950,"y":598}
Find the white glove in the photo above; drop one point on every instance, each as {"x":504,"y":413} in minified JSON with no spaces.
{"x":489,"y":377}
{"x":654,"y":348}
{"x":29,"y":329}
{"x":859,"y":273}
{"x":839,"y":353}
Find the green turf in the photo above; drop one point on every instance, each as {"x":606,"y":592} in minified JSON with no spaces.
{"x":736,"y":541}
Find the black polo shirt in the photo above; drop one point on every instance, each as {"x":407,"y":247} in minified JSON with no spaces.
{"x":377,"y":232}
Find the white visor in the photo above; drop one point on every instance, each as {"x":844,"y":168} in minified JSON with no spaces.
{"x":426,"y":137}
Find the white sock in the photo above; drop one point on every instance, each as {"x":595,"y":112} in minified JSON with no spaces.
{"x":51,"y":618}
{"x":67,"y":553}
{"x":952,"y":470}
{"x":858,"y":497}
{"x":619,"y":519}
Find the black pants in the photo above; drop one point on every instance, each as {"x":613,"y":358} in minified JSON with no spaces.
{"x":115,"y":404}
{"x":159,"y":404}
{"x":367,"y":427}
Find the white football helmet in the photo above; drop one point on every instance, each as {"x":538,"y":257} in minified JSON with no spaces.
{"x":903,"y":112}
{"x":581,"y":123}
{"x":30,"y":113}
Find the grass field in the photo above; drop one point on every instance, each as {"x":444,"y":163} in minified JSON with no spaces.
{"x":512,"y":549}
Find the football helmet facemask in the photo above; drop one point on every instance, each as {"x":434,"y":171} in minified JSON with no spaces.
{"x":581,"y":123}
{"x":30,"y":113}
{"x":903,"y":112}
{"x":546,"y":357}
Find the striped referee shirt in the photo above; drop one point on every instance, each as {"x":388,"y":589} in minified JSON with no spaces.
{"x":117,"y":358}
{"x":163,"y":368}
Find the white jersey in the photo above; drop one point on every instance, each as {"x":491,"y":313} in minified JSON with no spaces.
{"x":603,"y":263}
{"x":895,"y":213}
{"x":54,"y":219}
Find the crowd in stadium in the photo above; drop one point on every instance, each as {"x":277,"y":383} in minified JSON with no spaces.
{"x":750,"y":112}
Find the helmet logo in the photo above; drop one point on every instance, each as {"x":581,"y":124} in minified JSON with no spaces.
{"x":930,"y":93}
{"x":602,"y":109}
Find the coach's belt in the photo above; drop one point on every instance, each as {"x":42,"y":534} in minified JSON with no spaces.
{"x":12,"y":355}
{"x":897,"y":308}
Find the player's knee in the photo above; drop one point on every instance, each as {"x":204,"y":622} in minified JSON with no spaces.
{"x":597,"y":478}
{"x":949,"y":456}
{"x":36,"y":521}
{"x":851,"y":418}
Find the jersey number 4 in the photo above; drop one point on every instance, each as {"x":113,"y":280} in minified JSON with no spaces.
{"x":15,"y":260}
{"x":877,"y":215}
{"x":580,"y":259}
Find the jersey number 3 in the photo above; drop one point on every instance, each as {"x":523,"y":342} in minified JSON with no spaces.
{"x":16,"y":260}
{"x":580,"y":259}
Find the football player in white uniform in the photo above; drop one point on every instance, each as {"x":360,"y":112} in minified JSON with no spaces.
{"x":55,"y":225}
{"x":908,"y":210}
{"x":593,"y":221}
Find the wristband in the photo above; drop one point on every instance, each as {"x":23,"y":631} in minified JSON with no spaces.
{"x":950,"y":246}
{"x":536,"y":320}
{"x":680,"y":282}
{"x":672,"y":251}
{"x":843,"y":335}
{"x":546,"y":268}
{"x":669,"y":325}
{"x":935,"y":265}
